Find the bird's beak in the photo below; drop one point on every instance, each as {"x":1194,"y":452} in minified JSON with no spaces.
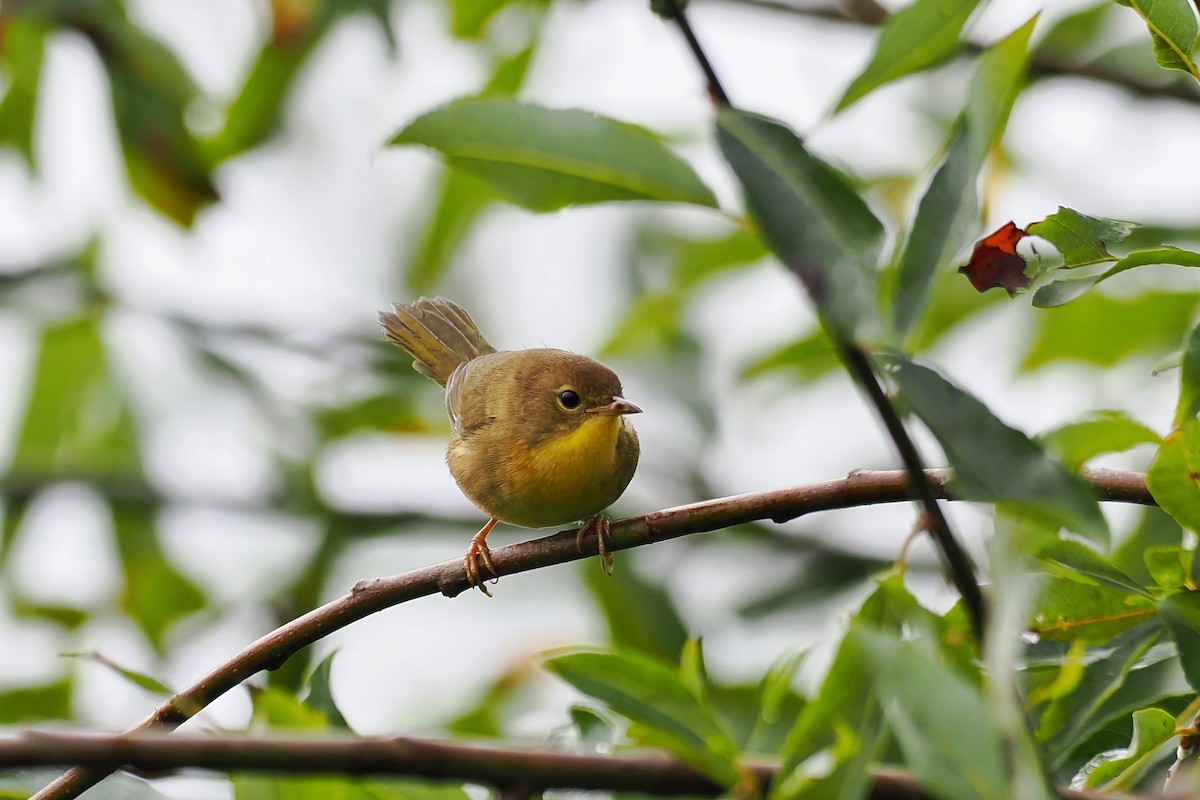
{"x":617,"y":407}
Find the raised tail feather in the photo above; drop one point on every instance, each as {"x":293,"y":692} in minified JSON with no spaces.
{"x":437,"y":333}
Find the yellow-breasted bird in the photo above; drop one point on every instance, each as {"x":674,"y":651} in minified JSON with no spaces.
{"x":538,"y":437}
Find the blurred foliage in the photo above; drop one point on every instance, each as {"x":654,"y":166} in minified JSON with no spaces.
{"x":1109,"y":653}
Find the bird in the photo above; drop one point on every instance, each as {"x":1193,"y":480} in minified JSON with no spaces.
{"x":539,"y":437}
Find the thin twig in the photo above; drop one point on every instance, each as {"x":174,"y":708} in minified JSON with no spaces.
{"x":955,"y":559}
{"x":715,"y":90}
{"x":537,"y":769}
{"x":449,"y":577}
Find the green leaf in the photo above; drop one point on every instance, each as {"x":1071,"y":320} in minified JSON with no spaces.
{"x":810,"y":217}
{"x":1169,"y":566}
{"x":77,"y":419}
{"x":320,"y":694}
{"x":1102,"y":330}
{"x":1155,"y":528}
{"x":1102,"y":432}
{"x":994,"y":462}
{"x":30,"y":703}
{"x":806,"y":359}
{"x":1180,"y":613}
{"x":949,"y":210}
{"x":21,"y":62}
{"x":1189,"y":379}
{"x":1073,"y":36}
{"x":1080,"y":239}
{"x":1174,"y":477}
{"x":1071,"y":716}
{"x":139,"y":679}
{"x":653,"y":695}
{"x":545,"y":159}
{"x":959,"y":754}
{"x":469,"y":18}
{"x":842,"y":724}
{"x":1060,"y":292}
{"x":639,"y":613}
{"x":1173,"y":29}
{"x":913,"y":39}
{"x":156,"y":594}
{"x":1071,"y":608}
{"x":20,"y":784}
{"x":1084,"y":560}
{"x":460,"y":199}
{"x":1115,"y":769}
{"x":413,"y":789}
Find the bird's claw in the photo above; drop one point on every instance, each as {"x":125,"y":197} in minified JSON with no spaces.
{"x":602,"y":525}
{"x":479,"y":554}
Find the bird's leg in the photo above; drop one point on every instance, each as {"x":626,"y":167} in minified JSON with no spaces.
{"x":603,"y":528}
{"x":478,"y":553}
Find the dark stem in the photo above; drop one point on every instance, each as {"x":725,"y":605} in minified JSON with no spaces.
{"x":715,"y":90}
{"x":957,"y":563}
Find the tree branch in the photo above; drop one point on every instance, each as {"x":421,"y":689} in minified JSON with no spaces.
{"x":449,"y":577}
{"x":1042,"y":64}
{"x":535,"y":769}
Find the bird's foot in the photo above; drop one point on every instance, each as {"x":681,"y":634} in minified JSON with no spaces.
{"x":602,"y":526}
{"x":479,"y":558}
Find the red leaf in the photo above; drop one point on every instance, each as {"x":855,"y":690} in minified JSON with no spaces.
{"x":995,"y":262}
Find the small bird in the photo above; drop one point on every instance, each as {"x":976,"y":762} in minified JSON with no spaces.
{"x":539,"y":437}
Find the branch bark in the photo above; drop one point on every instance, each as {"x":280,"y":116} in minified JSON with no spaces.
{"x":536,"y":769}
{"x":449,"y":577}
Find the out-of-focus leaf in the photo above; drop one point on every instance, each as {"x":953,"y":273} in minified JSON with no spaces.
{"x":1172,"y":478}
{"x":156,"y":594}
{"x":1103,"y":432}
{"x":320,"y":694}
{"x":1060,"y":292}
{"x":668,"y":714}
{"x":915,"y":38}
{"x":297,"y":27}
{"x":808,"y":358}
{"x":959,"y":754}
{"x":1173,"y":29}
{"x":545,"y":159}
{"x":20,"y":784}
{"x":401,"y":789}
{"x":468,"y":18}
{"x":138,"y":679}
{"x":1079,"y":238}
{"x":1155,"y":528}
{"x":485,"y":718}
{"x":694,"y":261}
{"x":843,"y":723}
{"x":1188,"y":406}
{"x":68,"y":617}
{"x":651,"y":323}
{"x":29,"y":703}
{"x":388,"y":411}
{"x":810,"y":217}
{"x":1169,"y":566}
{"x":1151,"y":323}
{"x":591,"y":725}
{"x":994,"y":462}
{"x":508,"y":75}
{"x":952,"y":302}
{"x":778,"y":704}
{"x":639,"y":613}
{"x":461,"y":199}
{"x":1070,"y":609}
{"x":1074,"y":714}
{"x":1180,"y":613}
{"x":949,"y":210}
{"x":692,"y":669}
{"x":821,"y":576}
{"x":1072,"y":36}
{"x":1152,"y":727}
{"x":22,"y":46}
{"x":1083,"y":560}
{"x":77,"y":420}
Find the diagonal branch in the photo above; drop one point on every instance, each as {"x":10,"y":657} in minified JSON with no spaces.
{"x":532,"y":769}
{"x":449,"y":577}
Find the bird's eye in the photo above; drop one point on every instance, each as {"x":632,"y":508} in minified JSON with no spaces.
{"x":568,"y":398}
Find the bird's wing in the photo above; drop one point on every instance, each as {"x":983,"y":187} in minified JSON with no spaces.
{"x":471,"y":408}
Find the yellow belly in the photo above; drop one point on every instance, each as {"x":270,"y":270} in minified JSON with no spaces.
{"x":564,"y":479}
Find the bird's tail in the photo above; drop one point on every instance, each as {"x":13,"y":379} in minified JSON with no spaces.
{"x":437,"y":333}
